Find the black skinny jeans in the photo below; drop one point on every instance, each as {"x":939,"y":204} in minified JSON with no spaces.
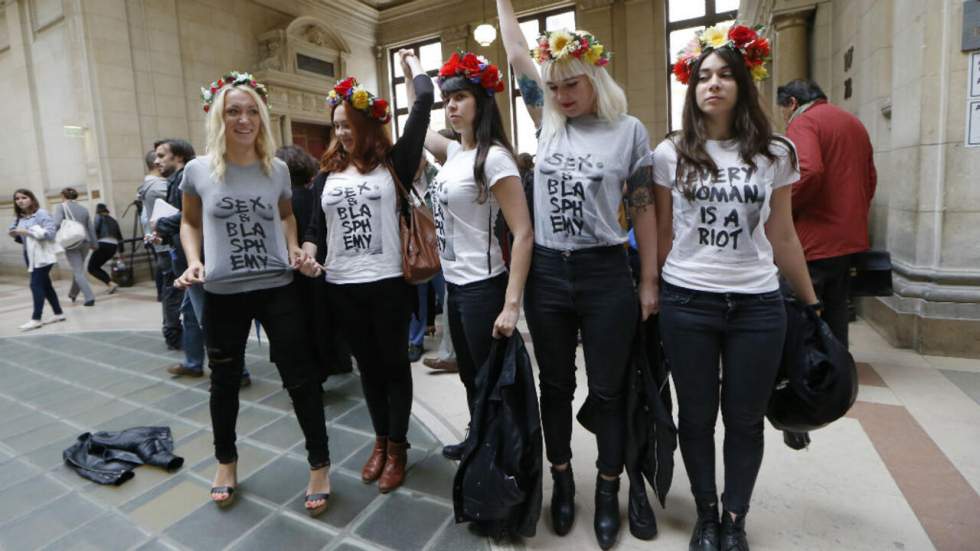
{"x":375,"y":322}
{"x":745,"y":332}
{"x":472,"y":309}
{"x":99,"y":257}
{"x":589,"y":290}
{"x":229,"y":320}
{"x":41,"y":289}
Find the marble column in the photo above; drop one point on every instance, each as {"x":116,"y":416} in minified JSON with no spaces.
{"x":792,"y":46}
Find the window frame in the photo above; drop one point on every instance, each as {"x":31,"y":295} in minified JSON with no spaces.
{"x":515,"y":91}
{"x":396,"y":109}
{"x":710,"y":18}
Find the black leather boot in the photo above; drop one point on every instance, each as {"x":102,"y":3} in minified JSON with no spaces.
{"x":733,"y":533}
{"x":643,"y":523}
{"x":563,"y":500}
{"x":606,"y":511}
{"x":706,"y":536}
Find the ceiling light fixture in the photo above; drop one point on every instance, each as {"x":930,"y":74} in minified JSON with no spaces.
{"x":485,"y":34}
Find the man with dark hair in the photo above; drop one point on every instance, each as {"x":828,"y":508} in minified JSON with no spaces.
{"x":832,"y":199}
{"x":154,"y":187}
{"x":170,"y":157}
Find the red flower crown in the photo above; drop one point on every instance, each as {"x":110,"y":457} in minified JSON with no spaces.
{"x":744,"y":40}
{"x":473,"y":68}
{"x":359,"y":98}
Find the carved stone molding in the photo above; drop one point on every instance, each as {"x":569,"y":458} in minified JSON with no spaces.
{"x":455,"y":34}
{"x":799,"y":18}
{"x":587,"y":5}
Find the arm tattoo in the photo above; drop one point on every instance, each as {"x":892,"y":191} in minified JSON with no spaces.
{"x":640,"y":188}
{"x":530,"y":91}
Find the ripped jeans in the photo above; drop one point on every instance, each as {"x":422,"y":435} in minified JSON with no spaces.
{"x":228,"y":320}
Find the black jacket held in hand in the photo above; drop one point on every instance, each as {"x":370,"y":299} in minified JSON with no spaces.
{"x":651,"y":436}
{"x":817,"y":382}
{"x":498,"y":483}
{"x":110,"y":457}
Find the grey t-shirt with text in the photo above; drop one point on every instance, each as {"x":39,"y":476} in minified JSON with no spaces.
{"x":244,"y":246}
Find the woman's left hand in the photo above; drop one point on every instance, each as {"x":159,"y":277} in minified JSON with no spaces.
{"x":649,"y":299}
{"x":18,"y":232}
{"x":506,"y":322}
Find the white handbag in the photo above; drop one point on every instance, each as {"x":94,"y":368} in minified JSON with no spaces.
{"x":71,"y":232}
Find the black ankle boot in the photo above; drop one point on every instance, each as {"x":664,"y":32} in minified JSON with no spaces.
{"x":643,"y":523}
{"x":563,"y":500}
{"x":733,"y":533}
{"x":706,"y":536}
{"x":606,"y":511}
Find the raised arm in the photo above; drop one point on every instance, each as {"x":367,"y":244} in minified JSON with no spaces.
{"x":435,"y":143}
{"x":406,"y":153}
{"x":519,"y":58}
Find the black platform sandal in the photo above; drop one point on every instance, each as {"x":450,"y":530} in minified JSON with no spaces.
{"x":317,"y":511}
{"x":230,"y":490}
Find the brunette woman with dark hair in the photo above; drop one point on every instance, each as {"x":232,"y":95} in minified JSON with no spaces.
{"x":35,"y":230}
{"x":358,"y":221}
{"x":725,"y":233}
{"x":477,"y":184}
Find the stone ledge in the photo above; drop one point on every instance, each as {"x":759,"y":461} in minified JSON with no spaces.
{"x":925,"y":334}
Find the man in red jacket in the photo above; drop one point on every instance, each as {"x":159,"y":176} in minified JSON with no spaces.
{"x":832,"y":199}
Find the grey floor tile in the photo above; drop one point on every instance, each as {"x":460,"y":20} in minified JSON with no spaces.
{"x":13,"y":471}
{"x":48,"y":524}
{"x":342,"y":444}
{"x":39,"y":437}
{"x":127,"y":384}
{"x":968,"y":382}
{"x":181,"y":400}
{"x":420,"y":437}
{"x":210,"y":527}
{"x":251,"y":419}
{"x":83,"y":401}
{"x":58,"y":392}
{"x":152,"y":393}
{"x":49,"y":455}
{"x":135,"y":418}
{"x":459,"y":536}
{"x":403,"y":522}
{"x":11,"y":427}
{"x":335,"y":404}
{"x":280,"y":480}
{"x":348,"y":498}
{"x":283,"y":433}
{"x":358,"y":419}
{"x":433,"y":475}
{"x":103,"y":412}
{"x":280,"y":400}
{"x":108,"y":532}
{"x":283,"y":532}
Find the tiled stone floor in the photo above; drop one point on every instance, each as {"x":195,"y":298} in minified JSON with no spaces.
{"x":54,"y":387}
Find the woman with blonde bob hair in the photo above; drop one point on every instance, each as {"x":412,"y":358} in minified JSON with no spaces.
{"x":237,"y":207}
{"x":591,"y":154}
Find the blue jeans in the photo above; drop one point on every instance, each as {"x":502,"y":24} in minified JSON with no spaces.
{"x":41,"y":289}
{"x":745,"y":332}
{"x":420,"y":318}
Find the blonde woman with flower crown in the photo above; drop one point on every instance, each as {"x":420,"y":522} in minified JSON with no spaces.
{"x":237,"y":208}
{"x":588,"y":147}
{"x":723,"y":188}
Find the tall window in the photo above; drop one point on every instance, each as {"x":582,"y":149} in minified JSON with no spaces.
{"x":684,"y":18}
{"x":429,"y":53}
{"x":525,"y":140}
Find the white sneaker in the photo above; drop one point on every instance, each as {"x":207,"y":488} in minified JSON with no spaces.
{"x":54,"y":319}
{"x":31,"y":324}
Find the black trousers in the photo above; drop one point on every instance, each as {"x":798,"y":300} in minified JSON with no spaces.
{"x":228,"y":322}
{"x":590,"y":291}
{"x":472,"y":310}
{"x":746,"y":333}
{"x":375,"y":320}
{"x":99,"y":257}
{"x":832,"y":282}
{"x":170,"y":299}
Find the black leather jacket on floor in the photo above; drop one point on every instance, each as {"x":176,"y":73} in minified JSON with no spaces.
{"x":498,"y":482}
{"x":110,"y":457}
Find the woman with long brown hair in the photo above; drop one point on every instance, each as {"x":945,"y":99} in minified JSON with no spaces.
{"x":35,"y":230}
{"x":358,"y":218}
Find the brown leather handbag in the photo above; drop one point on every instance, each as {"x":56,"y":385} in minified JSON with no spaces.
{"x":420,"y":247}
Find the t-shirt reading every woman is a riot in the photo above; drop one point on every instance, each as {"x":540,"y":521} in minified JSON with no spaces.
{"x":363,"y":242}
{"x":720,"y":242}
{"x":578,"y":181}
{"x":468,"y":246}
{"x":244,"y":245}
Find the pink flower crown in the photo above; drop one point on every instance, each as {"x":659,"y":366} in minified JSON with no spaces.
{"x":473,"y":68}
{"x":359,"y":98}
{"x":745,"y":40}
{"x":559,"y":45}
{"x":232,"y":78}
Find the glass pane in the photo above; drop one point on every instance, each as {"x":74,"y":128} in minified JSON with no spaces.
{"x":430,"y":56}
{"x":396,"y":67}
{"x":679,"y":39}
{"x":558,"y":21}
{"x":722,"y":6}
{"x":402,"y":119}
{"x":679,"y":10}
{"x":527,"y":142}
{"x":436,"y":90}
{"x":401,"y":97}
{"x":531,"y":32}
{"x":438,"y":120}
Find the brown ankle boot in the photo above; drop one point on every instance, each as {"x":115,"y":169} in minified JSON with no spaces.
{"x":375,"y":463}
{"x":394,"y":471}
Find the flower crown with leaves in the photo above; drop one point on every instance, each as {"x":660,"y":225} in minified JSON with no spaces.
{"x":359,"y":98}
{"x":745,"y":40}
{"x":232,"y":78}
{"x":559,"y":45}
{"x":473,"y":68}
